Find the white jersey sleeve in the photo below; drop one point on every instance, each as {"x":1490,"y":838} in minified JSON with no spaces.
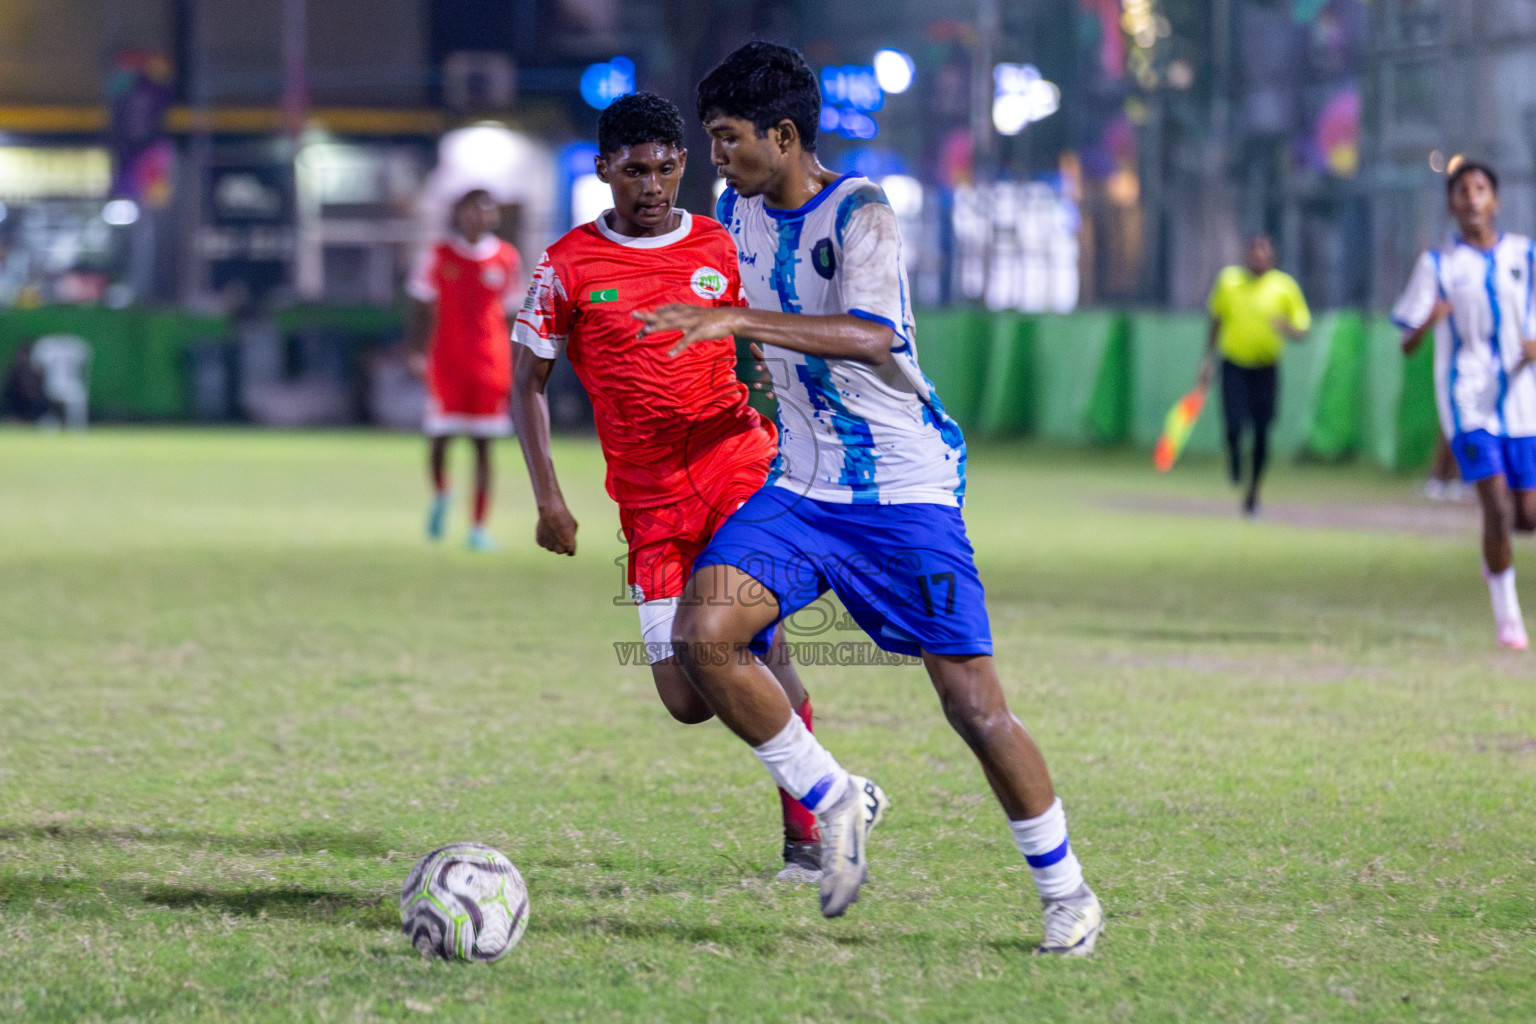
{"x":1418,"y":299}
{"x":870,"y":242}
{"x":543,"y":323}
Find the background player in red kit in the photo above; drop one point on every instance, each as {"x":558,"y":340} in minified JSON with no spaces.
{"x":462,"y":289}
{"x":683,"y":447}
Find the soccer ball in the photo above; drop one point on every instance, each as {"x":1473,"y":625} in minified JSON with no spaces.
{"x":466,"y":902}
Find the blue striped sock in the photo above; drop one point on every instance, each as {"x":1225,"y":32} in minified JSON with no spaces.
{"x":1043,"y":842}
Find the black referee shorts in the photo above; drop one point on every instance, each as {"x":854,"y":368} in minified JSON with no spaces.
{"x":1248,"y":394}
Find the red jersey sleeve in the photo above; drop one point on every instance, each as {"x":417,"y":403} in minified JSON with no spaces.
{"x":544,"y":321}
{"x":422,"y":285}
{"x":512,"y":293}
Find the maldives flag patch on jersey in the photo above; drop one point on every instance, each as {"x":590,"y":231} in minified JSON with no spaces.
{"x":604,"y":295}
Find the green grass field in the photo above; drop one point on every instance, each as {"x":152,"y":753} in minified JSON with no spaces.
{"x":241,"y":695}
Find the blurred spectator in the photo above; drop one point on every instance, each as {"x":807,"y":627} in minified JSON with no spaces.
{"x":23,"y":397}
{"x":64,"y":361}
{"x":1445,"y":483}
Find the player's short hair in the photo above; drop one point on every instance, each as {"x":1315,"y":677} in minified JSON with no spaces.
{"x":764,"y":83}
{"x":638,"y":118}
{"x":475,"y":196}
{"x":1467,"y":167}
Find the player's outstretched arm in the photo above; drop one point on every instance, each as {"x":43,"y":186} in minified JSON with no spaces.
{"x":841,"y":336}
{"x":530,"y":413}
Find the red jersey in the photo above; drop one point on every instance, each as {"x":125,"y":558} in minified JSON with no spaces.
{"x":656,"y":416}
{"x":473,"y":286}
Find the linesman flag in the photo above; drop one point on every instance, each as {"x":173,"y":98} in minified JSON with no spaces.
{"x":1177,"y":427}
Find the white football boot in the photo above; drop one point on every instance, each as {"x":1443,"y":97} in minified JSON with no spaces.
{"x":802,"y":860}
{"x":845,"y":827}
{"x":1072,"y":924}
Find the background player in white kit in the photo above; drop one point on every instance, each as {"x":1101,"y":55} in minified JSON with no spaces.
{"x":864,"y":497}
{"x":1476,"y":294}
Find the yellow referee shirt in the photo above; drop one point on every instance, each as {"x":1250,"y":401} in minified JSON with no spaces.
{"x":1248,"y":307}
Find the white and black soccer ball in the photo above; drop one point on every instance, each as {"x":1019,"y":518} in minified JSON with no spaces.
{"x":465,"y":901}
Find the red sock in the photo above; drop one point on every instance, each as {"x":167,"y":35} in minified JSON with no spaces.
{"x":482,"y":503}
{"x":440,"y":481}
{"x":799,"y":823}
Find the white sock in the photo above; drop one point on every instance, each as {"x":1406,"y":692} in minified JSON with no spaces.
{"x":802,"y":767}
{"x":1501,"y":588}
{"x":1043,"y":842}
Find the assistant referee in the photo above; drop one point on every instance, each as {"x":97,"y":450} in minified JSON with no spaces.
{"x":1254,"y":309}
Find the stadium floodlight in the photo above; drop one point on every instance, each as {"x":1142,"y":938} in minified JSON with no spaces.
{"x":1020,"y":97}
{"x":120,"y":212}
{"x":852,"y":85}
{"x":905,"y":194}
{"x":894,"y":70}
{"x":831,"y":117}
{"x":853,"y":124}
{"x":606,"y":81}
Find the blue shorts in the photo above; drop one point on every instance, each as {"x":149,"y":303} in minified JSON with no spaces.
{"x":1481,"y":455}
{"x":906,"y":573}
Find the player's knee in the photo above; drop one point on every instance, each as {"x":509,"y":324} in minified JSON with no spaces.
{"x":678,"y":696}
{"x":697,"y":631}
{"x":976,"y":717}
{"x":688,"y":712}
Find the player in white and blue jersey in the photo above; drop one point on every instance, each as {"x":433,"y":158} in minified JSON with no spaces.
{"x":864,"y":497}
{"x":1478,"y":296}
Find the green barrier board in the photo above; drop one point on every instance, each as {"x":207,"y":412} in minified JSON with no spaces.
{"x":1008,"y":390}
{"x":952,"y":350}
{"x":1400,"y":422}
{"x":1336,"y":425}
{"x":1166,"y":350}
{"x":1304,"y":365}
{"x":363,"y":321}
{"x":1080,"y":377}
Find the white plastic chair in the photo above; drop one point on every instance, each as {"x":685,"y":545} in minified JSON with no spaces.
{"x":64,"y":361}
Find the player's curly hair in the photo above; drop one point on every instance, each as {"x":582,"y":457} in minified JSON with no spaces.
{"x":639,"y":118}
{"x":764,"y":83}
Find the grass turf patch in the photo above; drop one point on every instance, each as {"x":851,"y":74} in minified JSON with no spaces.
{"x":242,"y":695}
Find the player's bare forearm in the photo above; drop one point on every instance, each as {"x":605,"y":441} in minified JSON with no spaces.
{"x":1414,"y":338}
{"x":420,"y":320}
{"x":556,"y":530}
{"x":842,"y":336}
{"x":1208,"y":364}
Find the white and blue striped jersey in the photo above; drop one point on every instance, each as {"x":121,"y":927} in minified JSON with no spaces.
{"x":848,"y":432}
{"x":1480,"y":381}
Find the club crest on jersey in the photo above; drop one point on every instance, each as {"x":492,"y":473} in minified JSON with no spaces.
{"x":823,"y":259}
{"x":493,"y":277}
{"x":708,"y":283}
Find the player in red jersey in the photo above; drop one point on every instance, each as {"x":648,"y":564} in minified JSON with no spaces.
{"x":463,"y":288}
{"x":683,"y":447}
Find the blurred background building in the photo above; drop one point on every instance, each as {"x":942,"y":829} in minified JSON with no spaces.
{"x":246,"y":157}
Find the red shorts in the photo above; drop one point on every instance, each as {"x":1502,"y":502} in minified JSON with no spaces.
{"x":664,"y":541}
{"x":467,"y":404}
